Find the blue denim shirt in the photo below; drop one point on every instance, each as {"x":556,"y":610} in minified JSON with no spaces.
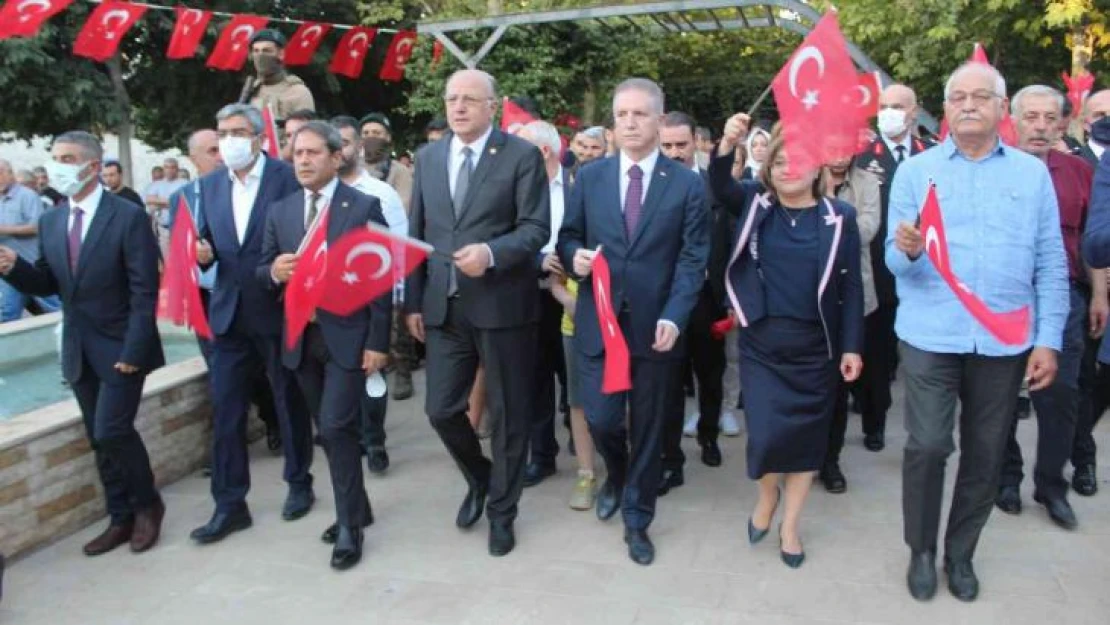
{"x":1004,"y":240}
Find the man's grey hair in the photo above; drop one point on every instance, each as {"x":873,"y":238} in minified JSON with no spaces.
{"x":543,"y":133}
{"x":170,"y":159}
{"x":701,"y":132}
{"x":1035,"y":90}
{"x":38,"y":171}
{"x":89,"y":144}
{"x":999,"y":81}
{"x":491,"y":82}
{"x":25,"y":177}
{"x":597,"y":133}
{"x":324,"y":130}
{"x":253,"y":115}
{"x":645,"y":85}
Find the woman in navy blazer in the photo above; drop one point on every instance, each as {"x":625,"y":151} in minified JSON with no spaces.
{"x":794,"y":284}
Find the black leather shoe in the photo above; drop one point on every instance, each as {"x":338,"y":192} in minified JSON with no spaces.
{"x":536,"y":473}
{"x":377,"y":460}
{"x":1008,"y":500}
{"x":710,"y":453}
{"x":792,"y":560}
{"x":348,"y":548}
{"x":962,"y":582}
{"x":501,"y":539}
{"x":608,"y":500}
{"x":1084,"y":480}
{"x":221,"y":525}
{"x":833,"y":478}
{"x":672,"y":478}
{"x":273,"y":440}
{"x":330,"y":534}
{"x":922,"y":575}
{"x":874,"y":441}
{"x":1059,"y":510}
{"x":640,"y":548}
{"x":472,"y":506}
{"x":297,"y":504}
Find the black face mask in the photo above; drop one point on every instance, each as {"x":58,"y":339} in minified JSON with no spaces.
{"x":375,"y":149}
{"x":1100,"y":131}
{"x":267,"y":64}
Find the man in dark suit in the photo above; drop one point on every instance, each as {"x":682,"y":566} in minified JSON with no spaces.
{"x":97,"y":251}
{"x":648,"y":213}
{"x":246,"y":319}
{"x":896,"y":143}
{"x":480,"y":198}
{"x":335,"y":354}
{"x":1096,"y":107}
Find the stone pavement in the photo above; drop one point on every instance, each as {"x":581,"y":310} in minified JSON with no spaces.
{"x":568,"y":567}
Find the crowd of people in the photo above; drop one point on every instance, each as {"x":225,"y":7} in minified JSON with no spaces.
{"x":822,"y":271}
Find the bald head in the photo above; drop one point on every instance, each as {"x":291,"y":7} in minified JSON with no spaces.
{"x":474,"y":78}
{"x":470,"y":98}
{"x":1095,"y":108}
{"x":204,"y":150}
{"x":898,"y":93}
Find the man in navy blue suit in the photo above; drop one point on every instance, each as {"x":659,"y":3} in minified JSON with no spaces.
{"x":98,"y":252}
{"x":246,"y":319}
{"x":649,"y":216}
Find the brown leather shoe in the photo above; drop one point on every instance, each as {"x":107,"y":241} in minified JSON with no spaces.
{"x":111,"y":538}
{"x":148,"y":527}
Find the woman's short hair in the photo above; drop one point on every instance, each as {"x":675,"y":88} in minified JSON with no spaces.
{"x":778,"y":144}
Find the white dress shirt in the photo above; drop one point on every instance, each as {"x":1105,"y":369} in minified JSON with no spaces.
{"x":455,"y":160}
{"x":243,"y":195}
{"x":88,"y":210}
{"x":392,"y":208}
{"x":647,"y":165}
{"x":558,"y":207}
{"x":1096,"y":148}
{"x":906,"y":142}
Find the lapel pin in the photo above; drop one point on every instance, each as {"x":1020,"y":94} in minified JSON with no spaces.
{"x":493,"y":150}
{"x":344,"y":205}
{"x":662,"y":174}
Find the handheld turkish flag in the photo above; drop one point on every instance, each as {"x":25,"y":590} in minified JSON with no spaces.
{"x":1078,"y":89}
{"x":366,"y":264}
{"x":306,"y":286}
{"x":870,"y":88}
{"x":24,"y":18}
{"x":350,"y":53}
{"x":179,"y":295}
{"x":100,"y":36}
{"x":270,"y":134}
{"x":817,"y":96}
{"x":400,"y":50}
{"x":1010,"y":328}
{"x":234,"y":44}
{"x":303,"y":44}
{"x":187,"y":33}
{"x":512,"y":116}
{"x":617,"y":376}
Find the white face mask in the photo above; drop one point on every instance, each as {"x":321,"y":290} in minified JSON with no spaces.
{"x":66,"y":177}
{"x":892,"y":122}
{"x":236,"y":152}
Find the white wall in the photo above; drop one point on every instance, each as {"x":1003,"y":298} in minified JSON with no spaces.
{"x":24,"y":156}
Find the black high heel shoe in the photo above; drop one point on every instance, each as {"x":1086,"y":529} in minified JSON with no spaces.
{"x":754,"y":533}
{"x":792,"y":560}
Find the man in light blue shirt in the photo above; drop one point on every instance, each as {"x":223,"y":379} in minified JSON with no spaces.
{"x":1004,"y":242}
{"x":20,"y":209}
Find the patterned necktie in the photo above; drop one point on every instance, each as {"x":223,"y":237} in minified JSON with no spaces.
{"x":462,"y":181}
{"x":901,"y":153}
{"x":633,"y":200}
{"x":75,"y":237}
{"x":313,"y":208}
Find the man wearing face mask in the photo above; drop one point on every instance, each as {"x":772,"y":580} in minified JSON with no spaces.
{"x":98,"y":253}
{"x":246,"y":319}
{"x":895,"y":144}
{"x":377,"y":134}
{"x":273,"y":85}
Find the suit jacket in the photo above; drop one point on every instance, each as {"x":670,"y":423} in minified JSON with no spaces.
{"x":237,"y":291}
{"x":346,"y":337}
{"x":656,"y":274}
{"x":507,"y":207}
{"x":722,"y":230}
{"x":110,"y":300}
{"x":1096,"y":236}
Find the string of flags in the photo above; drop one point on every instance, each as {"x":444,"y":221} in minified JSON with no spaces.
{"x":110,"y":21}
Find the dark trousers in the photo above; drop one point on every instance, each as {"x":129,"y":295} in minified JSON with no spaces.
{"x":108,"y":409}
{"x":372,"y":412}
{"x":1057,"y":410}
{"x":549,"y":354}
{"x":1094,"y":399}
{"x":236,"y":356}
{"x":454,"y":350}
{"x":332,"y":393}
{"x":839,"y":426}
{"x":880,"y":358}
{"x":987,"y":389}
{"x":403,"y":347}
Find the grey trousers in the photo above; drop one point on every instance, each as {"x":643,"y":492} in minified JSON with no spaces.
{"x":987,"y":389}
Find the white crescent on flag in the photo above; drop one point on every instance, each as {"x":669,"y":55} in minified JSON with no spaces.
{"x":371,"y":248}
{"x":865,"y":98}
{"x":365,"y":38}
{"x":808,"y":53}
{"x":118,"y":16}
{"x":319,"y":275}
{"x":242,"y":28}
{"x":24,"y":15}
{"x":311,"y":34}
{"x":404,"y":49}
{"x":186,"y":23}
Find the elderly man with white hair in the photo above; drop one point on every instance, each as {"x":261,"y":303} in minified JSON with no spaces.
{"x":1003,"y":234}
{"x":20,"y":209}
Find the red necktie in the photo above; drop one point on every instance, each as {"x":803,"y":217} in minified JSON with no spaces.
{"x":75,"y":238}
{"x":633,"y":200}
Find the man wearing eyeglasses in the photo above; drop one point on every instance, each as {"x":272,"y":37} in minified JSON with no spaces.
{"x":1004,"y":242}
{"x":480,"y":197}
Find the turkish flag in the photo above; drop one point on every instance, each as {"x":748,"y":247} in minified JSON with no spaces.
{"x":350,"y":53}
{"x":179,"y":295}
{"x":617,"y":376}
{"x":306,"y":287}
{"x":187,"y":33}
{"x":100,"y":36}
{"x":1007,"y":132}
{"x":366,"y":264}
{"x":400,"y":50}
{"x":1078,"y":89}
{"x":817,"y":96}
{"x":870,"y":88}
{"x":233,"y":46}
{"x":270,"y":142}
{"x":1010,"y":328}
{"x":979,"y":55}
{"x":24,"y":18}
{"x":304,"y":43}
{"x":512,"y":116}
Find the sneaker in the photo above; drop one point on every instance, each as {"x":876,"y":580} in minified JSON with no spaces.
{"x":690,"y":428}
{"x":584,"y":494}
{"x":729,"y":425}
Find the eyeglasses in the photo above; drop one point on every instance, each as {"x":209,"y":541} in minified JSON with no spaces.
{"x":978,"y":98}
{"x":468,"y":101}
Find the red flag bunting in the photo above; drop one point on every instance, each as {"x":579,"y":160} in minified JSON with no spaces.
{"x":617,"y":376}
{"x":179,"y":295}
{"x":101,"y":35}
{"x":350,"y":53}
{"x":187,"y":32}
{"x":1010,"y":328}
{"x":512,"y":116}
{"x":437,"y":52}
{"x":303,"y":44}
{"x":270,"y":142}
{"x":24,"y":18}
{"x":1078,"y":89}
{"x":400,"y":50}
{"x":233,"y":46}
{"x":367,"y":263}
{"x":306,"y":287}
